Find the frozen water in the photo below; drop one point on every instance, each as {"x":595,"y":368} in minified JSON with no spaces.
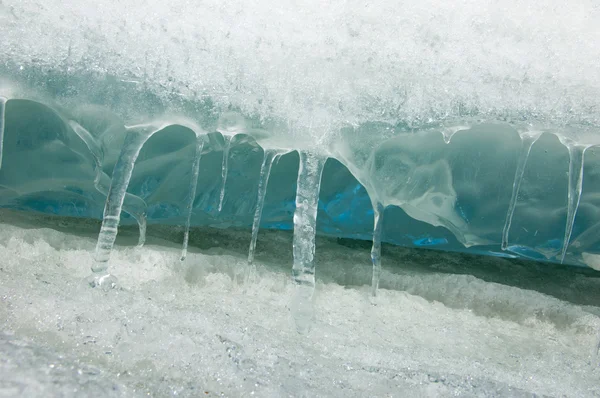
{"x":269,"y":157}
{"x":443,"y":324}
{"x":576,"y":156}
{"x":192,"y":196}
{"x":2,"y":113}
{"x":456,"y":126}
{"x":476,"y":76}
{"x":528,"y":140}
{"x":376,"y":249}
{"x":305,"y":232}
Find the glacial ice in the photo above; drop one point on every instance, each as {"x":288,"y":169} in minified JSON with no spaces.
{"x":464,"y":132}
{"x":465,"y":126}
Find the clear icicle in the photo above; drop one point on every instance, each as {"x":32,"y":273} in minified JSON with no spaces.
{"x":134,"y":140}
{"x":305,"y":228}
{"x":192,"y":194}
{"x":2,"y":117}
{"x":141,"y":220}
{"x":224,"y":168}
{"x":137,"y":207}
{"x":576,"y":157}
{"x":376,"y":249}
{"x":527,"y":141}
{"x":265,"y":172}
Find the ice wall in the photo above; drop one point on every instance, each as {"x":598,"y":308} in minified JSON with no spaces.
{"x":474,"y":123}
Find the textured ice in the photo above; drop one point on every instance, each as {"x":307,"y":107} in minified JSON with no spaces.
{"x":470,"y":126}
{"x":485,"y":186}
{"x":429,"y":110}
{"x":443,"y":325}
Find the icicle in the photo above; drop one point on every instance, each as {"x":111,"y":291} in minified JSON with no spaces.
{"x":224,"y":168}
{"x":576,"y":155}
{"x":2,"y":114}
{"x":192,"y":194}
{"x":134,"y":140}
{"x":527,"y":141}
{"x":305,"y":228}
{"x":142,"y":223}
{"x":140,"y":214}
{"x":376,"y":249}
{"x":265,"y":172}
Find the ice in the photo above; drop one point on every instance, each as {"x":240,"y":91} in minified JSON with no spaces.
{"x":437,"y":329}
{"x":192,"y":195}
{"x":134,"y":140}
{"x":137,"y":207}
{"x":528,"y":138}
{"x":2,"y":112}
{"x":305,"y":230}
{"x":458,"y":123}
{"x":270,"y":155}
{"x":378,"y":211}
{"x":224,"y":169}
{"x":498,"y":70}
{"x":576,"y":156}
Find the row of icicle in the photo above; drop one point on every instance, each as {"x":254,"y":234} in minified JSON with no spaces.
{"x":305,"y":216}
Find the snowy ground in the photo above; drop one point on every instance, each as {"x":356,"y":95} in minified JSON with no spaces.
{"x":443,"y":324}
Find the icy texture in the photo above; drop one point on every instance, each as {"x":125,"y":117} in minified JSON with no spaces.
{"x":428,"y":111}
{"x":136,"y":137}
{"x":305,"y":232}
{"x":444,"y":325}
{"x":576,"y":156}
{"x":265,"y":172}
{"x":376,"y":249}
{"x":528,"y":141}
{"x":192,"y":196}
{"x":485,"y":182}
{"x":2,"y":113}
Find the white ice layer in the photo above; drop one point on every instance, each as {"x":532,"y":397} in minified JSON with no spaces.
{"x":186,"y":329}
{"x":317,"y":64}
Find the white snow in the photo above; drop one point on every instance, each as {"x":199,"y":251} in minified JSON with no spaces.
{"x":186,"y":329}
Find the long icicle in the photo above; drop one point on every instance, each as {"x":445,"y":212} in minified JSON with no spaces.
{"x":224,"y":168}
{"x":192,"y":194}
{"x":576,"y":157}
{"x":376,"y":249}
{"x":305,"y":228}
{"x":134,"y":140}
{"x":90,"y":142}
{"x":527,"y":141}
{"x":265,"y":171}
{"x":3,"y":101}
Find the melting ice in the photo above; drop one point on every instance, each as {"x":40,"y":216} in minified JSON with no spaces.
{"x":468,"y":127}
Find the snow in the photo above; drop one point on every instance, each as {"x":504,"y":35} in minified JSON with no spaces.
{"x":190,"y":329}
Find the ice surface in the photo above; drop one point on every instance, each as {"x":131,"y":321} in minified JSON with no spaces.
{"x":457,"y":126}
{"x":478,"y":186}
{"x":443,"y":324}
{"x":440,"y":92}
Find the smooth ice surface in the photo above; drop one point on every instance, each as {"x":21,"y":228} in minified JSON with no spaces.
{"x":444,"y":324}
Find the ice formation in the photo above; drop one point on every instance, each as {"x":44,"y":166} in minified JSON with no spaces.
{"x":466,"y":129}
{"x":265,"y":172}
